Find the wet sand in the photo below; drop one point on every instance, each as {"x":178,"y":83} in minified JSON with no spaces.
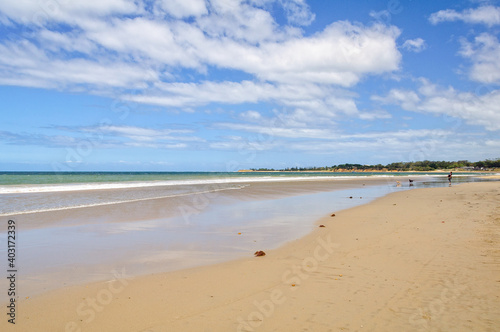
{"x":185,"y":203}
{"x":419,"y":260}
{"x":82,"y":245}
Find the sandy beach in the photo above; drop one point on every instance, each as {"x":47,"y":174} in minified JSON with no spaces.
{"x":204,"y":225}
{"x":169,"y":206}
{"x":417,"y":260}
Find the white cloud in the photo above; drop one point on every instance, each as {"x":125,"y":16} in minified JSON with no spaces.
{"x":72,"y":42}
{"x":25,"y":64}
{"x":41,"y":12}
{"x":378,"y":141}
{"x":474,"y":109}
{"x":397,"y":145}
{"x":112,"y":46}
{"x":116,"y":45}
{"x":184,"y":8}
{"x":376,"y":114}
{"x":404,"y":145}
{"x":251,"y":116}
{"x":231,"y":35}
{"x":277,"y":130}
{"x":109,"y":137}
{"x":406,"y":98}
{"x":414,"y":45}
{"x":156,"y":145}
{"x":409,"y":134}
{"x":311,"y":97}
{"x":484,"y":53}
{"x":140,"y":134}
{"x":143,"y":40}
{"x":492,"y":143}
{"x":139,"y":131}
{"x":240,"y":22}
{"x":383,"y":16}
{"x":341,"y":55}
{"x":193,"y":94}
{"x":488,"y":15}
{"x":297,"y":12}
{"x":309,"y":103}
{"x":305,"y":105}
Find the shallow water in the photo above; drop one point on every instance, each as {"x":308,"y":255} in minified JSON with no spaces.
{"x":36,"y":192}
{"x":52,"y":257}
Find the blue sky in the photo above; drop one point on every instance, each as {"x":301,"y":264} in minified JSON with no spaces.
{"x":221,"y":85}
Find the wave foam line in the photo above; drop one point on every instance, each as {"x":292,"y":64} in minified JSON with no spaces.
{"x":26,"y":189}
{"x":112,"y":203}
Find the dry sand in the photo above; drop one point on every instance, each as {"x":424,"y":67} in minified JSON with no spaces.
{"x":418,"y":260}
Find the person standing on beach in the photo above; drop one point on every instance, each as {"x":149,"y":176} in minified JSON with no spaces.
{"x":449,"y":177}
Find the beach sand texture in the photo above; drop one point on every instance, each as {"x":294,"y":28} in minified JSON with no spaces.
{"x":417,"y":260}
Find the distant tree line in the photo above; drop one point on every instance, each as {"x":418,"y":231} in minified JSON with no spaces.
{"x":425,"y":165}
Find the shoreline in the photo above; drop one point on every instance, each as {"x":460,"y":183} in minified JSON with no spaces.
{"x":383,"y":265}
{"x":228,"y":178}
{"x":247,"y":191}
{"x":56,"y":197}
{"x":175,"y":233}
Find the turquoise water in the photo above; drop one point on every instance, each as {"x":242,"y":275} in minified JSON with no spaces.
{"x":13,"y":178}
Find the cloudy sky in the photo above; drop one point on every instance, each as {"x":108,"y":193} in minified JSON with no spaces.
{"x":221,"y":85}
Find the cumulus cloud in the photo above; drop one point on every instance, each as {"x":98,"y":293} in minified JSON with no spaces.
{"x":137,"y":51}
{"x":342,"y":54}
{"x":184,"y":8}
{"x":133,"y":47}
{"x":484,"y":53}
{"x":474,"y":109}
{"x":297,"y":12}
{"x":488,"y":15}
{"x":240,"y":22}
{"x":71,"y":12}
{"x":25,"y":64}
{"x":414,"y":45}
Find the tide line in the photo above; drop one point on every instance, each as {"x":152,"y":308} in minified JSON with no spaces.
{"x":116,"y":202}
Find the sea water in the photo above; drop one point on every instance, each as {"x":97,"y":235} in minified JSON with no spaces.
{"x":28,"y":192}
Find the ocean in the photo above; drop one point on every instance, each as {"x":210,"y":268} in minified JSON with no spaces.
{"x":28,"y":192}
{"x":150,"y":178}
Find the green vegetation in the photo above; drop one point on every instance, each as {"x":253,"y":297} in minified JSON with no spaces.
{"x":425,"y":166}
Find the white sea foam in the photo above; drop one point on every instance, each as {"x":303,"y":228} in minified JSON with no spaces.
{"x":59,"y":208}
{"x":23,"y":189}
